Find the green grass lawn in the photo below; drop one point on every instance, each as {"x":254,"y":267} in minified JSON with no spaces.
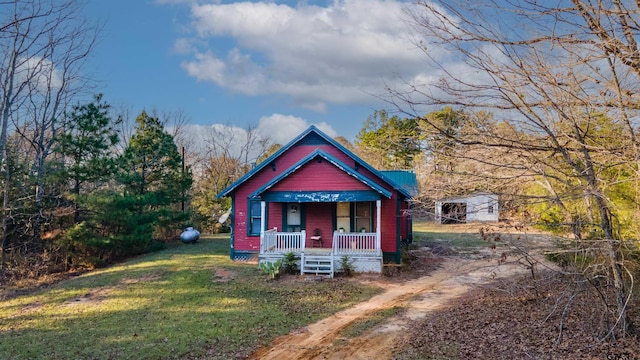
{"x":189,"y":301}
{"x":462,"y":237}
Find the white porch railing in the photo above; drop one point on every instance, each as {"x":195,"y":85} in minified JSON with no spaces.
{"x":365,"y":244}
{"x":364,"y":248}
{"x":274,"y":242}
{"x":352,"y":244}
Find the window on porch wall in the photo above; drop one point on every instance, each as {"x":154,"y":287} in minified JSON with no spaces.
{"x":343,"y":216}
{"x":354,"y":218}
{"x":363,"y":217}
{"x":255,"y":217}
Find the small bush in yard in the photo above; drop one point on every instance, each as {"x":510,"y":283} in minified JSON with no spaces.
{"x":347,"y":265}
{"x":271,"y":268}
{"x":290,"y":263}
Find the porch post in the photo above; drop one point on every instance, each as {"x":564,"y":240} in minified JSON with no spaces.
{"x":263,"y":216}
{"x":263,"y":225}
{"x":378,"y":232}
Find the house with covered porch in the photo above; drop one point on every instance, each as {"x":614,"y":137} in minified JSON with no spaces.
{"x":317,"y":199}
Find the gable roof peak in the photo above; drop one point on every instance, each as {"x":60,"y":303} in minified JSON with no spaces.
{"x":300,"y":138}
{"x":331,"y":159}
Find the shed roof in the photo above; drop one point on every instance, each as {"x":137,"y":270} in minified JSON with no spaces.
{"x":462,"y":198}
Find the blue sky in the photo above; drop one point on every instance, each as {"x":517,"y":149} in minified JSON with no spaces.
{"x":277,"y":65}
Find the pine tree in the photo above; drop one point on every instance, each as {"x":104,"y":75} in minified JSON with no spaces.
{"x":86,"y":145}
{"x":152,"y":173}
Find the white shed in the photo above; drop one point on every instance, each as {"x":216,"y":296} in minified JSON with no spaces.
{"x":478,"y":206}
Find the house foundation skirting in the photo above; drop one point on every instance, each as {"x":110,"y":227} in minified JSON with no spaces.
{"x":248,"y":256}
{"x":362,"y":264}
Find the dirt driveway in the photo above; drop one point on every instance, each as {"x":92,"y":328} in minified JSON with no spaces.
{"x":323,"y":340}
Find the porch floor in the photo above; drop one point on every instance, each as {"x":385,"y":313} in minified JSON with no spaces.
{"x":316,"y":251}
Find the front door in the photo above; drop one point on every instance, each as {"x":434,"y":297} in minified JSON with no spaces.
{"x":293,"y":217}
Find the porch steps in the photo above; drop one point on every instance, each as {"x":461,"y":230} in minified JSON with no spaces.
{"x":318,"y":265}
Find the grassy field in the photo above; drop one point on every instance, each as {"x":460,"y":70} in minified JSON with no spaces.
{"x":463,"y":237}
{"x":189,"y":301}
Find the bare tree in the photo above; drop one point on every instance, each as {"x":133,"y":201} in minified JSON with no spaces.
{"x":175,"y":121}
{"x":245,"y":146}
{"x":43,"y":45}
{"x":561,"y":81}
{"x":230,"y":153}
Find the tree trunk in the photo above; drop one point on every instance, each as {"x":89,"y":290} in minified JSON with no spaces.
{"x":613,"y":248}
{"x":76,"y":206}
{"x":5,"y":206}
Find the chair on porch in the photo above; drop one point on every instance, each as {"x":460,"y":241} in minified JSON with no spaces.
{"x":316,"y":238}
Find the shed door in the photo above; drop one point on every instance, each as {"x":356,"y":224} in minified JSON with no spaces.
{"x":454,"y":213}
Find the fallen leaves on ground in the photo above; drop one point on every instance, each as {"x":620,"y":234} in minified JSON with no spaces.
{"x":519,"y":319}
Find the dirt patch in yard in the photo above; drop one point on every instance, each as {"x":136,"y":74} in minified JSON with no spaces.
{"x":99,"y":294}
{"x":515,"y":318}
{"x":222,"y":275}
{"x":94,"y":296}
{"x":324,"y":340}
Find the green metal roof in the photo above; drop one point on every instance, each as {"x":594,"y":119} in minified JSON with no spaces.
{"x":405,"y":179}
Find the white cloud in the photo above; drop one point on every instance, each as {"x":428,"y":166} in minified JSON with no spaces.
{"x":40,"y":73}
{"x":327,"y":129}
{"x":219,"y":138}
{"x":183,"y":46}
{"x":338,"y":54}
{"x":207,"y":67}
{"x":283,"y":128}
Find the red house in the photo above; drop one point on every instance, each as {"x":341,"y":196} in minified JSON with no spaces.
{"x":319,"y":200}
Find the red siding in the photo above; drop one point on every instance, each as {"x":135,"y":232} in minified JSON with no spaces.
{"x":319,"y":216}
{"x":240,"y":219}
{"x":316,"y":176}
{"x":404,"y":213}
{"x":274,"y":217}
{"x":388,"y":225}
